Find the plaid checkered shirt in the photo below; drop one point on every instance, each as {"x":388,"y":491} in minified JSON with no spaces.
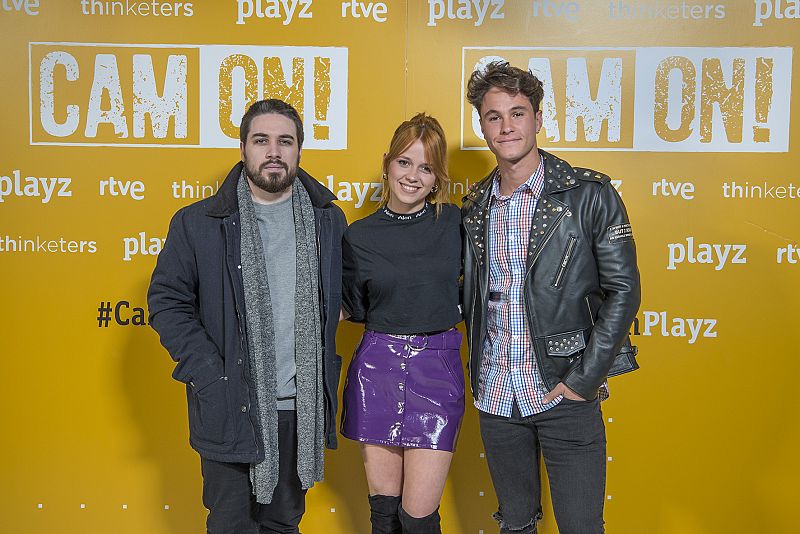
{"x":509,"y":370}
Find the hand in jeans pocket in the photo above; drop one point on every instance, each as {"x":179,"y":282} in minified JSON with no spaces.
{"x":563,"y":390}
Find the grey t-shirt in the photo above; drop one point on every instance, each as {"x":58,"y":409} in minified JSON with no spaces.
{"x":276,"y":226}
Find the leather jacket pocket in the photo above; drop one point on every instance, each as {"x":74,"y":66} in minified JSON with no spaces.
{"x":209,"y":412}
{"x":625,"y":360}
{"x":566,"y":344}
{"x":569,"y":252}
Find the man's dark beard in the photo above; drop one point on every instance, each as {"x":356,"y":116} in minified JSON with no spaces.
{"x":275,"y":182}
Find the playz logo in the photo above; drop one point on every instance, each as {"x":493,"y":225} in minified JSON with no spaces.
{"x":660,"y":323}
{"x":718,"y":255}
{"x":283,"y":10}
{"x":149,"y":95}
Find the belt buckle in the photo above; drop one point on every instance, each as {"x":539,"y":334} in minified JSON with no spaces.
{"x":498,"y":296}
{"x":425,"y":336}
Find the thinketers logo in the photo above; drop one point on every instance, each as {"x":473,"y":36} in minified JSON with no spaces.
{"x":180,"y":96}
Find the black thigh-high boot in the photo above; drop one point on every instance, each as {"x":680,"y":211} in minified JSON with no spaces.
{"x":383,"y":514}
{"x":430,"y":524}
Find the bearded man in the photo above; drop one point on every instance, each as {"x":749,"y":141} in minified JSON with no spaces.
{"x":245,"y":298}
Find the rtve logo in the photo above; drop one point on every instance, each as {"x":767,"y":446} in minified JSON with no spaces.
{"x":150,"y":95}
{"x":29,"y":7}
{"x":789,"y":254}
{"x":669,"y":188}
{"x":651,"y":99}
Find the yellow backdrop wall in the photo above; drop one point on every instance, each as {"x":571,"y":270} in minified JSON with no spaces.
{"x":117,"y":113}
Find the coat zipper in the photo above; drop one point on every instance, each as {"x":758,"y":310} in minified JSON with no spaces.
{"x":242,"y":342}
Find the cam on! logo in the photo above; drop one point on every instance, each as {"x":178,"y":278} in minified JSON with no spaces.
{"x":687,"y":99}
{"x":183,"y":96}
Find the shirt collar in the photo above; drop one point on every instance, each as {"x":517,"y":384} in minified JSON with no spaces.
{"x":535,"y":183}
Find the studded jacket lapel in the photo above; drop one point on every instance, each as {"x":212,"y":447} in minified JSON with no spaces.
{"x":558,"y":177}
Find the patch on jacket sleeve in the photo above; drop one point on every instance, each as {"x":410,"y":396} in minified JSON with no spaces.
{"x":620,"y":233}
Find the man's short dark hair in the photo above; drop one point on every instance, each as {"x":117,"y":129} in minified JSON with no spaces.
{"x":502,"y":75}
{"x":271,"y":105}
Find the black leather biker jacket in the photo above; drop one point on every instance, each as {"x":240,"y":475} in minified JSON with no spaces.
{"x":581,"y":284}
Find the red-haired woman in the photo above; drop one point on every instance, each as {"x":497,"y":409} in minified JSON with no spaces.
{"x":404,"y":395}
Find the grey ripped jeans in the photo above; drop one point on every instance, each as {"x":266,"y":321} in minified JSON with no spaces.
{"x":571,"y":437}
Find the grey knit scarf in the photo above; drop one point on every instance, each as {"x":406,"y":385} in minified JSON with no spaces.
{"x":261,"y":342}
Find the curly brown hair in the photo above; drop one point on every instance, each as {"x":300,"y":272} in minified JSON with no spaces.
{"x":503,"y":75}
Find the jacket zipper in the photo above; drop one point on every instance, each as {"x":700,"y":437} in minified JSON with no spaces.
{"x":565,"y":260}
{"x":589,"y":306}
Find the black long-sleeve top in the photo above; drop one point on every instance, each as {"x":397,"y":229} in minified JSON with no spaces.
{"x":401,"y":272}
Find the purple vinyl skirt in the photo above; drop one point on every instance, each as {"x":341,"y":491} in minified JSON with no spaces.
{"x":405,"y":391}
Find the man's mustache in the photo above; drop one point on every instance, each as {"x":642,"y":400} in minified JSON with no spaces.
{"x":274,"y":162}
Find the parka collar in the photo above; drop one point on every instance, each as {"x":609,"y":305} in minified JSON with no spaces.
{"x":225,"y":202}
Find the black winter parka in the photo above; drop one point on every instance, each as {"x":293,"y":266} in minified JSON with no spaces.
{"x":196,"y":304}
